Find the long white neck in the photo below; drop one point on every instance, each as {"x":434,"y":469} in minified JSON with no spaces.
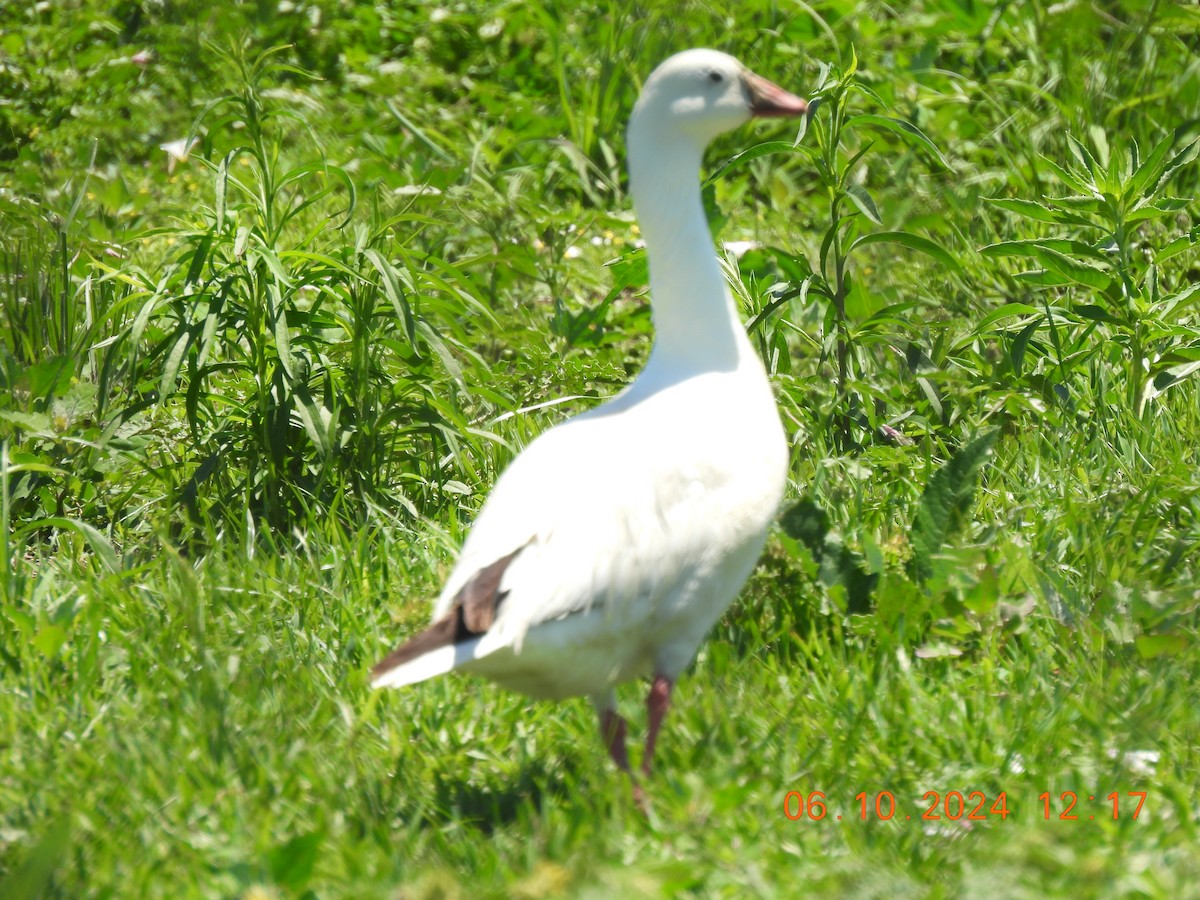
{"x":697,"y":327}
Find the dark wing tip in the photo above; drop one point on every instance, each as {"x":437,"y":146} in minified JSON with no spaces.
{"x":441,"y":633}
{"x":471,"y":614}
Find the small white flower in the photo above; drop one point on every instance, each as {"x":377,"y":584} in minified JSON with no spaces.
{"x":177,"y":151}
{"x":738,"y":249}
{"x":1139,"y":762}
{"x":412,"y":190}
{"x":572,"y":252}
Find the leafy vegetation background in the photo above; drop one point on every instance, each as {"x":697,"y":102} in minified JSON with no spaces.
{"x":283,"y":286}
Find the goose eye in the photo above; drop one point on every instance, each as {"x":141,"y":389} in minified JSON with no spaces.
{"x":716,"y":77}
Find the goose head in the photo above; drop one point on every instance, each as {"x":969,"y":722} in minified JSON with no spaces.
{"x":698,"y":94}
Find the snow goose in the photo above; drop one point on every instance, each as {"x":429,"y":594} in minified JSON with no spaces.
{"x":611,"y":545}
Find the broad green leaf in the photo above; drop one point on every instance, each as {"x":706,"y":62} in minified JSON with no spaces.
{"x":316,"y":419}
{"x":222,"y":186}
{"x":864,"y":202}
{"x":1072,"y":180}
{"x":913,"y":242}
{"x":1026,"y":208}
{"x":1150,"y":646}
{"x":1079,"y":203}
{"x":1016,"y":353}
{"x":740,"y":159}
{"x":1097,"y":313}
{"x":1007,"y":311}
{"x":1042,"y":278}
{"x":904,"y":129}
{"x":1073,"y":269}
{"x":852,"y":67}
{"x":35,"y":422}
{"x":174,"y":361}
{"x":946,"y":501}
{"x":279,"y":324}
{"x":1083,"y":156}
{"x":1173,"y":375}
{"x":1179,"y":160}
{"x":1156,"y":209}
{"x":1175,"y":304}
{"x":1177,"y":246}
{"x":199,"y":257}
{"x":291,"y":864}
{"x":394,"y":291}
{"x":806,"y":522}
{"x":96,"y":541}
{"x":277,"y":269}
{"x":1028,"y":248}
{"x":1147,"y":174}
{"x":37,"y":871}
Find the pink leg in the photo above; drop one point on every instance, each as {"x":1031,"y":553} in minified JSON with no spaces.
{"x":657,"y":703}
{"x":612,"y":732}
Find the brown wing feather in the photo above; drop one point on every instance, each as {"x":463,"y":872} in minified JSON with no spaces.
{"x":472,"y":613}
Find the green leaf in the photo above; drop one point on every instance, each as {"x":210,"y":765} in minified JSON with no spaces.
{"x":1179,"y":160}
{"x":1150,"y":646}
{"x":1007,"y":311}
{"x":222,"y":186}
{"x":1082,"y":155}
{"x":904,"y":129}
{"x":913,"y":242}
{"x":1180,"y":245}
{"x":1174,"y":304}
{"x":1157,"y":209}
{"x":316,"y":419}
{"x":394,"y":291}
{"x":34,"y":423}
{"x":740,"y":159}
{"x":173,"y":363}
{"x":1147,"y":174}
{"x":199,"y":257}
{"x":96,"y":540}
{"x":1097,"y":313}
{"x":277,"y":269}
{"x":278,"y":314}
{"x":630,"y":272}
{"x":1029,"y":248}
{"x":1016,"y":354}
{"x":946,"y":501}
{"x":1039,"y":212}
{"x":1026,"y":208}
{"x":291,"y":864}
{"x":35,"y":874}
{"x":806,"y":522}
{"x":864,"y":202}
{"x":1069,"y":178}
{"x":1072,"y":269}
{"x":49,"y":378}
{"x":1042,"y":278}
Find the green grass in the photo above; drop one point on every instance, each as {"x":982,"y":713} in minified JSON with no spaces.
{"x":250,"y":402}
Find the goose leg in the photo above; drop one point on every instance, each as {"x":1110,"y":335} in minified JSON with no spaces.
{"x":613,"y":732}
{"x":657,"y":703}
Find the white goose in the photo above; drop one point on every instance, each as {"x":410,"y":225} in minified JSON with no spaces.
{"x":610,"y":546}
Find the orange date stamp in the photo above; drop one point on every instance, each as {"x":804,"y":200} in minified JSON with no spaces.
{"x":973,"y":806}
